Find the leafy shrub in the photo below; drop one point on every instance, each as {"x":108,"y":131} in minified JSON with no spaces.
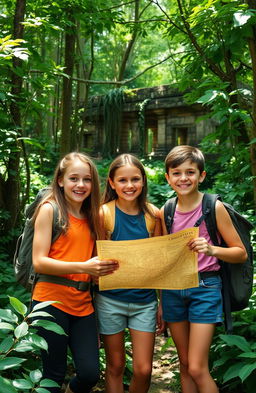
{"x":19,"y":345}
{"x":233,"y":357}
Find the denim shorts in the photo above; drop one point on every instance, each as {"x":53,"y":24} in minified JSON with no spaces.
{"x":202,"y":304}
{"x":114,"y":316}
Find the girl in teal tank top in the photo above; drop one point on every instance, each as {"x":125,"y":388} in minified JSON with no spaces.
{"x":134,"y":309}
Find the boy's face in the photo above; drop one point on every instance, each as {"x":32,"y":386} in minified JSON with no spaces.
{"x":185,"y":178}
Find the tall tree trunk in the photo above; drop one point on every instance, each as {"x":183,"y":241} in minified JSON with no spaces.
{"x":86,"y":70}
{"x":131,"y":43}
{"x":252,"y":48}
{"x":65,"y":142}
{"x":12,"y":185}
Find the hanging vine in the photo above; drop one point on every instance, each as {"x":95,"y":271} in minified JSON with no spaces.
{"x":141,"y":125}
{"x":112,"y":111}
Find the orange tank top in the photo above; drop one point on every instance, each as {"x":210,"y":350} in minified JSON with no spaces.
{"x":74,"y":246}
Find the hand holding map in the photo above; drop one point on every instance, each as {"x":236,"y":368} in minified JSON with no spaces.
{"x":162,"y":262}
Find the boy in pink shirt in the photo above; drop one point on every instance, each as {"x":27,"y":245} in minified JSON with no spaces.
{"x":192,"y":314}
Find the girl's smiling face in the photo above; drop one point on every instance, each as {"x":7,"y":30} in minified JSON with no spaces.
{"x":76,"y":181}
{"x":185,"y":178}
{"x":127,"y":182}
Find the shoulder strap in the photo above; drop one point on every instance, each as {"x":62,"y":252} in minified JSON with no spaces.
{"x":209,"y":203}
{"x":169,"y":210}
{"x":29,"y":210}
{"x":209,"y":215}
{"x":56,"y":225}
{"x":109,"y":217}
{"x":150,"y":220}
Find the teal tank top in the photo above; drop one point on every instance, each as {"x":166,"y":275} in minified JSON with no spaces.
{"x":130,"y":227}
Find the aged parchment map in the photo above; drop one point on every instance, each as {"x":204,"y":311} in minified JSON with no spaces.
{"x":163,"y":262}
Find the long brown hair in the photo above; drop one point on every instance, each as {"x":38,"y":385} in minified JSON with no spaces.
{"x":123,"y":159}
{"x":90,"y":206}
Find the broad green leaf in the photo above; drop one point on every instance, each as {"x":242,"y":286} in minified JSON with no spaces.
{"x":18,"y":305}
{"x":246,"y":370}
{"x":251,"y":355}
{"x":238,"y":341}
{"x":6,"y":344}
{"x":6,"y":38}
{"x":10,"y":362}
{"x":210,"y":96}
{"x":48,"y":325}
{"x":6,"y":386}
{"x":35,"y":375}
{"x":39,"y":306}
{"x":48,"y":383}
{"x":20,"y":53}
{"x":24,"y":346}
{"x":31,"y":141}
{"x":8,"y":315}
{"x":22,"y":384}
{"x":41,"y":390}
{"x":38,"y":341}
{"x":224,"y":357}
{"x":232,"y":372}
{"x":252,"y":141}
{"x":39,"y":314}
{"x":244,"y":92}
{"x":21,"y":330}
{"x":241,"y":18}
{"x":7,"y":326}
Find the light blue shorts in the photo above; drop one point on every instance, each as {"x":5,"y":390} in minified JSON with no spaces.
{"x":202,"y":304}
{"x":114,"y":316}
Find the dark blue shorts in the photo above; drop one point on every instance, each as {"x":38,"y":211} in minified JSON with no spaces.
{"x":202,"y":304}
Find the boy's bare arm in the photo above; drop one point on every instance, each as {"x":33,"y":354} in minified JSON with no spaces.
{"x":234,"y":252}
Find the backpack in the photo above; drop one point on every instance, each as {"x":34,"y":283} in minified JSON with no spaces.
{"x":22,"y":260}
{"x":237,"y":278}
{"x":109,"y":218}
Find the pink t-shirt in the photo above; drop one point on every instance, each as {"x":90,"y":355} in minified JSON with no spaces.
{"x":182,"y":220}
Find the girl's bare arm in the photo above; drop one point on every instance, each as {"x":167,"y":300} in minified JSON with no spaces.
{"x":41,"y":247}
{"x":164,"y":230}
{"x":158,"y":227}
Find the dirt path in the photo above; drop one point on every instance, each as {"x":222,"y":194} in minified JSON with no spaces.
{"x":162,"y":372}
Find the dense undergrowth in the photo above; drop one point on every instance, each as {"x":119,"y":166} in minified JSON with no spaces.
{"x":233,"y":357}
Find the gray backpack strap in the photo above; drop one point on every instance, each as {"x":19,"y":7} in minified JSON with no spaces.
{"x":169,"y":210}
{"x":79,"y":285}
{"x":56,"y":224}
{"x":208,"y":207}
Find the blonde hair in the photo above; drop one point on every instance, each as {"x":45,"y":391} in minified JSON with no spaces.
{"x":90,"y":206}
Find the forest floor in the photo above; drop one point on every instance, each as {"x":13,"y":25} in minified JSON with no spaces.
{"x":163,"y":370}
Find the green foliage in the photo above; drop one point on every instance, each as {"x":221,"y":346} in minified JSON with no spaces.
{"x":233,"y":357}
{"x":19,"y":344}
{"x":10,"y":48}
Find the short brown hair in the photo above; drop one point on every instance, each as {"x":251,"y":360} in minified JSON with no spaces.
{"x":182,"y":153}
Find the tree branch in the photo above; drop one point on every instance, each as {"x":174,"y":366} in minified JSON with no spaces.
{"x":123,"y":82}
{"x":115,"y":6}
{"x":169,"y":19}
{"x":215,"y":69}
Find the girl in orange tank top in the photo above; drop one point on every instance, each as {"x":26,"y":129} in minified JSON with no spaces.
{"x":75,"y":190}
